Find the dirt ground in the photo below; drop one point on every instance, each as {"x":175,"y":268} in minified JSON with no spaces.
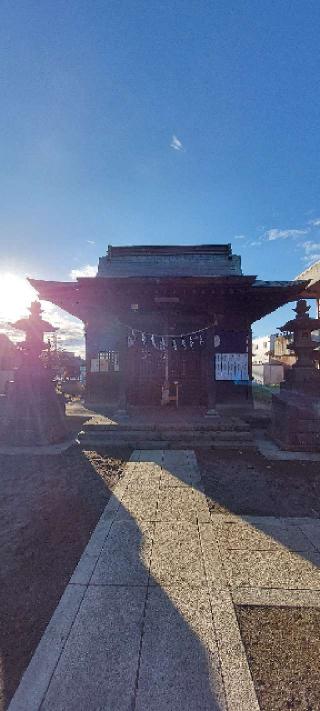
{"x":48,"y":508}
{"x":246,"y":483}
{"x":282,"y":646}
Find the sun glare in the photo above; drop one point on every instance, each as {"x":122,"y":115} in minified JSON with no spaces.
{"x":16,"y":295}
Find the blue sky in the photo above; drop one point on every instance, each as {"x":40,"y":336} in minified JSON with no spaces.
{"x":159,"y":122}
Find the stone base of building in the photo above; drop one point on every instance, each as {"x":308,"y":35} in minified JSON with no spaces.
{"x":295,"y":423}
{"x":32,"y":414}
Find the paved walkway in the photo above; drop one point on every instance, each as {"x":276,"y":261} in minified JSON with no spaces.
{"x":147,"y":622}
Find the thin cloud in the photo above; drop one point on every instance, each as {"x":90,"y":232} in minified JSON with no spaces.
{"x":275,"y":233}
{"x":176,"y":144}
{"x":310,"y":247}
{"x":90,"y":241}
{"x":311,"y":252}
{"x":87,"y":271}
{"x":239,"y":236}
{"x":315,"y":223}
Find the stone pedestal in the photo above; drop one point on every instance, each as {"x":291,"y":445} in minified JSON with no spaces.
{"x":33,"y":413}
{"x":295,"y":421}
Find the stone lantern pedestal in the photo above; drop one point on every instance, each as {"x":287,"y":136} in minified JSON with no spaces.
{"x":296,"y":409}
{"x":296,"y":422}
{"x":34,"y":413}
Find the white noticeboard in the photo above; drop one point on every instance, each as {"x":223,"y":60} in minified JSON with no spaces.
{"x":231,"y":366}
{"x":94,"y":365}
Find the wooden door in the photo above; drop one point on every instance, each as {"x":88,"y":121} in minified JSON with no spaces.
{"x":185,"y":367}
{"x":146,"y":373}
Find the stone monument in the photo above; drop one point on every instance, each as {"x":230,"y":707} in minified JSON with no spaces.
{"x":296,"y":409}
{"x":33,"y":413}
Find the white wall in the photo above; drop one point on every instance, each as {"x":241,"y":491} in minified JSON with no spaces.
{"x":261,"y":348}
{"x":265,"y":374}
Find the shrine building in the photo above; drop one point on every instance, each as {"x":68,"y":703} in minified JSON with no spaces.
{"x":166,"y":321}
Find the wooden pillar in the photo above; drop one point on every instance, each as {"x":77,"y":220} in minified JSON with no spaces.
{"x":211,"y":376}
{"x":249,"y":386}
{"x":123,"y":362}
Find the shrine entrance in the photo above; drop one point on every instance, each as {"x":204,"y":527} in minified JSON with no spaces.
{"x":148,"y":368}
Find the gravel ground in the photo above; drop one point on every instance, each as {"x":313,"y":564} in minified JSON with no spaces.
{"x":49,"y":507}
{"x":246,"y":483}
{"x":282,"y":646}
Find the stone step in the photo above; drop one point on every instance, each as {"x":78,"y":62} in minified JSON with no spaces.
{"x":170,"y":436}
{"x":181,"y":440}
{"x":163,"y":444}
{"x":212,"y":426}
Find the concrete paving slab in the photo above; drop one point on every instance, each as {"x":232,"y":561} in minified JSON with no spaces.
{"x":36,"y":679}
{"x":173,"y":478}
{"x":142,"y":483}
{"x":176,"y":554}
{"x":84,"y":570}
{"x":99,"y":535}
{"x":151,"y":455}
{"x":312,"y":530}
{"x":131,"y":466}
{"x":276,"y":598}
{"x":99,"y":664}
{"x":125,"y":557}
{"x":238,"y":682}
{"x":177,"y":457}
{"x":211,"y":556}
{"x":179,"y":466}
{"x":135,"y":456}
{"x":201,"y":505}
{"x":272,"y":451}
{"x":268,"y":536}
{"x":181,"y":504}
{"x":171,"y":481}
{"x":146,"y":475}
{"x":139,"y":504}
{"x":88,"y":560}
{"x":180,"y":667}
{"x":273,"y":569}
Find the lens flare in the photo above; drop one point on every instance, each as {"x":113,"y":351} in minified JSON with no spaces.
{"x":16,"y":295}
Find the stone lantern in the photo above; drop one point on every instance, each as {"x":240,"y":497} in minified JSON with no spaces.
{"x":296,"y":409}
{"x":303,"y":376}
{"x":34,"y":413}
{"x":34,"y":327}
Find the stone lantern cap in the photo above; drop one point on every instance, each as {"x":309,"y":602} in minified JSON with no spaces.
{"x":34,"y":327}
{"x":302,"y":320}
{"x":34,"y":323}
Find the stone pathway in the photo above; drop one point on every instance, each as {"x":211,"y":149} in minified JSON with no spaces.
{"x":147,"y":622}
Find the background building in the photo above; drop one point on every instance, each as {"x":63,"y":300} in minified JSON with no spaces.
{"x":263,"y":348}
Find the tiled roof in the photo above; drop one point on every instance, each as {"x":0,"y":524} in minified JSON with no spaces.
{"x":174,"y":261}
